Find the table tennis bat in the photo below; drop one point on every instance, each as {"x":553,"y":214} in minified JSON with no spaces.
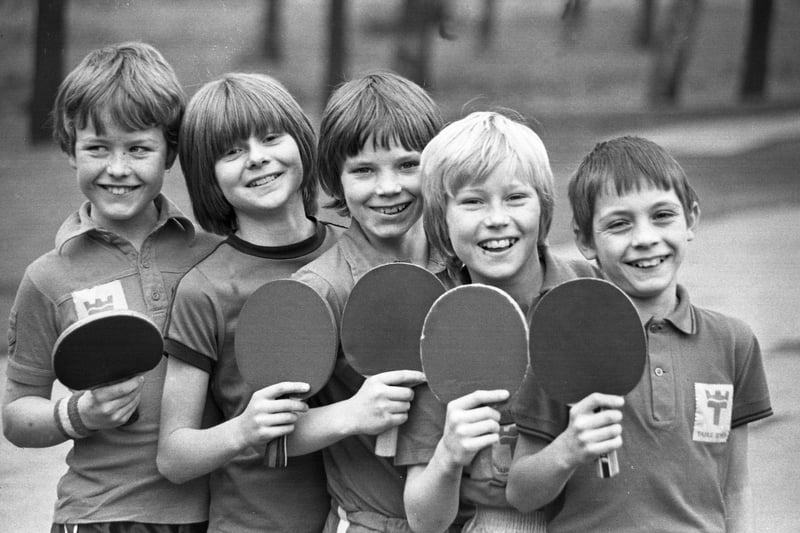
{"x":381,"y":325}
{"x":586,"y":336}
{"x":106,"y":348}
{"x":474,"y":338}
{"x":286,"y":332}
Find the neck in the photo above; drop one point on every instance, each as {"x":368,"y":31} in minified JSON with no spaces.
{"x":412,"y":246}
{"x":522,"y":288}
{"x":658,"y":306}
{"x":280,"y":228}
{"x":134,"y":230}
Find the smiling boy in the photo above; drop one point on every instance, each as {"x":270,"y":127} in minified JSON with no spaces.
{"x":116,"y":117}
{"x":372,"y":133}
{"x":684,"y":464}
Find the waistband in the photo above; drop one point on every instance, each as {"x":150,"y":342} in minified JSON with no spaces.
{"x":505,"y":519}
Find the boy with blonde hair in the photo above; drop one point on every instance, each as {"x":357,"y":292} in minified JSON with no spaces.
{"x":488,"y":191}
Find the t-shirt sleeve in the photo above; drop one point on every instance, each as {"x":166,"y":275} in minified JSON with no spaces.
{"x":32,"y":332}
{"x":751,"y":400}
{"x":418,"y":437}
{"x":196,"y":324}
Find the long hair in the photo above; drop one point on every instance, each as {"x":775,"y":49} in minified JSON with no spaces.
{"x":229,"y":110}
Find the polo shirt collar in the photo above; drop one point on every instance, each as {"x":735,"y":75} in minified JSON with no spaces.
{"x":682,"y":317}
{"x":555,"y":272}
{"x":80,"y":222}
{"x":362,"y":257}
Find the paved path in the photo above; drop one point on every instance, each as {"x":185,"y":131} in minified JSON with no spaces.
{"x":746,"y":264}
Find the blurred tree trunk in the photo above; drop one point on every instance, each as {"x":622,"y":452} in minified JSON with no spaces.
{"x":574,"y":19}
{"x":757,"y":52}
{"x":646,"y":24}
{"x":273,"y":37}
{"x":674,"y":52}
{"x":487,"y":25}
{"x":337,"y":46}
{"x":49,"y":66}
{"x":415,"y":39}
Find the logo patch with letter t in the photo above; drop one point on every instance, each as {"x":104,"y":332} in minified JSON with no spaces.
{"x":713,"y":405}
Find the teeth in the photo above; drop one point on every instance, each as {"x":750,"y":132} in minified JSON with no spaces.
{"x":498,"y":244}
{"x":263,"y":181}
{"x":119,"y":191}
{"x":648,"y":263}
{"x":393,"y":210}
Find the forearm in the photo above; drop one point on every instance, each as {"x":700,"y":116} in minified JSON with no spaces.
{"x":320,"y":427}
{"x":736,"y":491}
{"x":186,"y":453}
{"x":431,"y":494}
{"x":538,"y":474}
{"x":29,"y":422}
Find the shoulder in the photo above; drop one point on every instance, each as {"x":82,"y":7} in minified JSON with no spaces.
{"x":567,"y":266}
{"x":46,"y":270}
{"x":329,"y":265}
{"x":201,"y":276}
{"x":329,"y":275}
{"x":714,"y":323}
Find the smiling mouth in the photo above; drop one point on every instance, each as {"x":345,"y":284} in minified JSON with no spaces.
{"x":648,"y":263}
{"x":392,"y":209}
{"x":269,"y":178}
{"x":498,"y":245}
{"x":119,"y":190}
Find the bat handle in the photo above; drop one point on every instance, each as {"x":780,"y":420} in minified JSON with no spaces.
{"x":131,"y":419}
{"x":608,"y":465}
{"x":277,"y":455}
{"x":386,"y":443}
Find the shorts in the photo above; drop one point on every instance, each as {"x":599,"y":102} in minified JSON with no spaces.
{"x":129,"y":527}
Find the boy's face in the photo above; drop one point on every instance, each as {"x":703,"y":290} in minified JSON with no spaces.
{"x":494,"y":228}
{"x":261,"y":175}
{"x":121,"y":172}
{"x":640,"y":240}
{"x":382,"y":189}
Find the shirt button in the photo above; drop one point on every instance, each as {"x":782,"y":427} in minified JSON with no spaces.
{"x":156,"y":295}
{"x":659,"y":372}
{"x":145,"y":265}
{"x":655,"y":327}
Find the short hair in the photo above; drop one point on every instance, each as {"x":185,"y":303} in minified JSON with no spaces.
{"x":627,"y":164}
{"x":226,"y":111}
{"x":130,"y":84}
{"x":380,"y":104}
{"x":467,"y":151}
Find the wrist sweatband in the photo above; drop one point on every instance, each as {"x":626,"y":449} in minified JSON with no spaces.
{"x":68,"y":419}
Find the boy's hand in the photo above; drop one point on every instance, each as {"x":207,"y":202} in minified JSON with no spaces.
{"x":594,"y":428}
{"x":271,"y":413}
{"x":110,"y":406}
{"x":471,"y":425}
{"x":383,"y":400}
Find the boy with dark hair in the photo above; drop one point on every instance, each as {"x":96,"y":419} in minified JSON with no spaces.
{"x":372,"y":132}
{"x":684,"y":463}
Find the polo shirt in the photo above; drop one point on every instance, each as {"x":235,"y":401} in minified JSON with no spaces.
{"x":704,"y":376}
{"x":246,"y":495}
{"x":367,"y":487}
{"x":484,"y":480}
{"x":111,"y":474}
